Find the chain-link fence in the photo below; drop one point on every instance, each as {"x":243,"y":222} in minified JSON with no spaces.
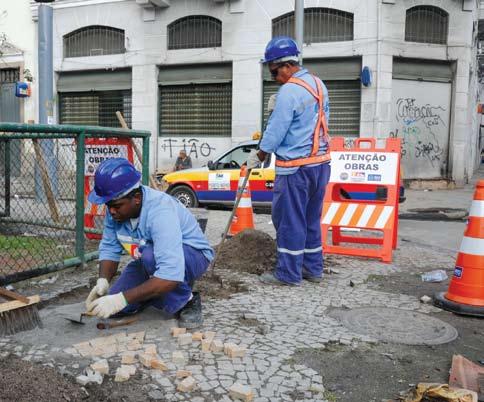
{"x":46,"y":223}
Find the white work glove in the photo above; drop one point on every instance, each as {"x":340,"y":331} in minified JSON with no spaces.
{"x":101,"y":288}
{"x":253,"y":161}
{"x":106,"y":306}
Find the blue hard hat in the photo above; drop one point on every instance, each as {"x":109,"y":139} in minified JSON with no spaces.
{"x":280,"y":47}
{"x":113,"y":179}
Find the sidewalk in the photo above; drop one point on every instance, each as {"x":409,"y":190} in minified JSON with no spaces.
{"x":457,"y":198}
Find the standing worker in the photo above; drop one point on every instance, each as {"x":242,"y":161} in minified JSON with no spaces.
{"x":164,"y":239}
{"x":297,"y":132}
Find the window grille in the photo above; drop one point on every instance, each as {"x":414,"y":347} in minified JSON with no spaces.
{"x":94,"y":41}
{"x":320,"y":25}
{"x":95,"y":108}
{"x":196,"y":110}
{"x":426,"y":24}
{"x":195,"y":31}
{"x":9,"y":75}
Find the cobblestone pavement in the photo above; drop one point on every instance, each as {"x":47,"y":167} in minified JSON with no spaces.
{"x":273,"y":322}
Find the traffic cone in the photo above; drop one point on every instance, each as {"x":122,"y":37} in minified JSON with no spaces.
{"x":466,"y":290}
{"x":244,"y":217}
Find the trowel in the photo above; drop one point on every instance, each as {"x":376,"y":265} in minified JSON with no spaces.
{"x":79,"y":320}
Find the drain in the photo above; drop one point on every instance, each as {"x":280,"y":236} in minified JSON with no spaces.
{"x":396,"y":326}
{"x":434,"y":214}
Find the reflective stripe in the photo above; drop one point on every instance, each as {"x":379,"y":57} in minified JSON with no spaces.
{"x":241,"y":181}
{"x":477,"y":209}
{"x":245,"y":202}
{"x":333,"y":208}
{"x":286,"y":251}
{"x":365,"y":217}
{"x":313,"y":250}
{"x":471,"y":245}
{"x":125,"y":238}
{"x":345,"y":220}
{"x":385,"y":214}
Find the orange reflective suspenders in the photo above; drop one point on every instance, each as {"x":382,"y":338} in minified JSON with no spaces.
{"x":320,"y":124}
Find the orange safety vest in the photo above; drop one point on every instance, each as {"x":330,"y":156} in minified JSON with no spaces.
{"x":321,"y":123}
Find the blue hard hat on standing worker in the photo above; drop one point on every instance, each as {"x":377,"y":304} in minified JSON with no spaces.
{"x":114,"y":178}
{"x":279,"y":49}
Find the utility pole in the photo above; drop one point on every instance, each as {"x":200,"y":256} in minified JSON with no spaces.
{"x":46,"y":95}
{"x":299,"y":26}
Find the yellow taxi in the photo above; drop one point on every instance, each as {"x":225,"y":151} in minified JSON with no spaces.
{"x":217,"y":182}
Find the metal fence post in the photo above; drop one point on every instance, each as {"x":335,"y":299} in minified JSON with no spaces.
{"x":7,"y":179}
{"x":146,"y":160}
{"x":80,"y":155}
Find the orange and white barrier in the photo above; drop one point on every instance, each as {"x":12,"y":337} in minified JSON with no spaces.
{"x":244,"y":216}
{"x":366,"y":169}
{"x":466,"y":290}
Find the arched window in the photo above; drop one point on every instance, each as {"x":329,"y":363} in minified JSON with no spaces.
{"x":195,"y":31}
{"x":320,"y":25}
{"x":426,"y":24}
{"x":94,"y":40}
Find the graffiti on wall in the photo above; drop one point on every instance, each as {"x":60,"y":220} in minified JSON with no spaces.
{"x":419,"y":130}
{"x":194,"y":147}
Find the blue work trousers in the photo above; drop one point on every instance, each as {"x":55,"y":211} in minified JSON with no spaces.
{"x":140,"y":270}
{"x":296,"y":213}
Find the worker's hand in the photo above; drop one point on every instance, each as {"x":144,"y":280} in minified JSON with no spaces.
{"x":106,"y":306}
{"x":101,"y":288}
{"x":253,"y":161}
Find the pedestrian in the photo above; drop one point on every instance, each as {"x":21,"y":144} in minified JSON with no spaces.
{"x":183,"y":161}
{"x":297,"y":132}
{"x":168,"y":249}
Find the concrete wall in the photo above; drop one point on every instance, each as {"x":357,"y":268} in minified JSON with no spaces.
{"x":378,"y":37}
{"x":20,"y":32}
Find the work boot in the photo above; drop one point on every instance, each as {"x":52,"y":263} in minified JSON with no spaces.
{"x":190,"y":316}
{"x":269,"y":279}
{"x":315,"y":279}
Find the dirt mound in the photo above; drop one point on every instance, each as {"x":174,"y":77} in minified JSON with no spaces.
{"x":249,"y":251}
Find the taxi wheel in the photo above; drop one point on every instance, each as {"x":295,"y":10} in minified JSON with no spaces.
{"x":185,"y":195}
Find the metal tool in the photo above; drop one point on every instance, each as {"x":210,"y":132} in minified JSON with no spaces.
{"x":79,"y":321}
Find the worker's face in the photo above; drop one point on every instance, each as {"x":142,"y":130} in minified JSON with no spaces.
{"x":280,"y":72}
{"x":125,"y":208}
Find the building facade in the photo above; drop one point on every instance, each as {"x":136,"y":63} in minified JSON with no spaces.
{"x":189,"y":72}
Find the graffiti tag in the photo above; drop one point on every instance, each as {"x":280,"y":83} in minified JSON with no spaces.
{"x":193,"y":147}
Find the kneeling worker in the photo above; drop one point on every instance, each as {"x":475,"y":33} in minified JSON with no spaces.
{"x":164,"y":239}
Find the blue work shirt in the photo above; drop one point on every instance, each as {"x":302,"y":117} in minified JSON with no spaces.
{"x":166,"y":224}
{"x":290,"y":129}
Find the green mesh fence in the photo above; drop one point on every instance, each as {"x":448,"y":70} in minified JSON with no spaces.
{"x":46,"y":224}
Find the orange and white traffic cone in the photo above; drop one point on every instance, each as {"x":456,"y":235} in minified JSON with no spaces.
{"x":244,"y":217}
{"x":466,"y":290}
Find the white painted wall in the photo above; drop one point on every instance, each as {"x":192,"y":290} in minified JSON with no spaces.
{"x":379,"y":36}
{"x":16,"y":23}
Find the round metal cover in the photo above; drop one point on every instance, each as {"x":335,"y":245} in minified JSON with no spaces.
{"x":396,"y":326}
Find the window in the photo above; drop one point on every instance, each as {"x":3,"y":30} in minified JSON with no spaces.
{"x":94,"y":41}
{"x":320,"y":25}
{"x":95,"y":108}
{"x":195,"y":31}
{"x":196,"y":109}
{"x":426,"y":24}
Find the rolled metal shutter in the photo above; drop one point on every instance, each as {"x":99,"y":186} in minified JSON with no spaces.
{"x":93,"y":97}
{"x":344,"y":100}
{"x":196,"y":100}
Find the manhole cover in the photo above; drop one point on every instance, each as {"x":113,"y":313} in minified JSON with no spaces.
{"x":397,"y":326}
{"x":439,"y":214}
